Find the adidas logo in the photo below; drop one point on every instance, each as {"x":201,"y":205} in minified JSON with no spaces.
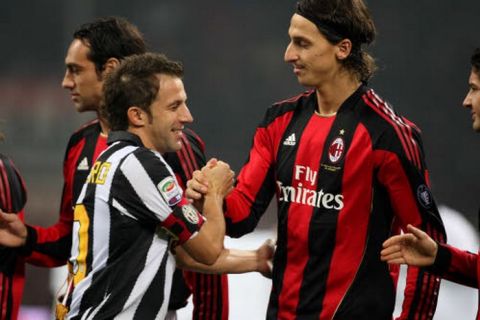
{"x":83,"y":165}
{"x":290,"y":141}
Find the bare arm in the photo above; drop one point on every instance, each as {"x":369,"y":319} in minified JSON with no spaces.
{"x":233,"y":261}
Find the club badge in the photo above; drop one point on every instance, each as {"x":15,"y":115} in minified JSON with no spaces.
{"x":335,"y":151}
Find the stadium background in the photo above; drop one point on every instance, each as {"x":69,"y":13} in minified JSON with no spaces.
{"x":233,"y":54}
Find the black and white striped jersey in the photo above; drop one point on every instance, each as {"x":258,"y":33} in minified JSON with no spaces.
{"x":129,"y":211}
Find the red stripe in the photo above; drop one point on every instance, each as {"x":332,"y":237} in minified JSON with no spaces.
{"x":7,"y":189}
{"x":214,"y":295}
{"x":201,"y":309}
{"x":404,"y":131}
{"x":347,"y":258}
{"x":185,"y":162}
{"x":3,"y":185}
{"x":190,"y":153}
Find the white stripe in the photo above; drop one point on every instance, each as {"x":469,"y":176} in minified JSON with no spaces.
{"x":144,"y":187}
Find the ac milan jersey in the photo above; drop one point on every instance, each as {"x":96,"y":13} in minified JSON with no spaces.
{"x":129,"y":210}
{"x":210,"y":291}
{"x":12,"y":266}
{"x":51,"y":246}
{"x":341,"y":183}
{"x":458,"y":266}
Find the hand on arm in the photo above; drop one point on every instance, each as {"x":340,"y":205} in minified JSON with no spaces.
{"x":206,"y":246}
{"x":415,"y":249}
{"x":13,"y":232}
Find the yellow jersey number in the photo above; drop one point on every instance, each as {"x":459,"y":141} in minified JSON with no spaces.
{"x":79,"y":243}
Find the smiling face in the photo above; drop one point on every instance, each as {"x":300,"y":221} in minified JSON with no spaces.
{"x":169,"y":114}
{"x":81,"y":78}
{"x":472,"y":99}
{"x":313,"y":57}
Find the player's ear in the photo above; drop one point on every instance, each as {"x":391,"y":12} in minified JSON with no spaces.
{"x":344,"y":48}
{"x":136,"y":116}
{"x":110,"y":65}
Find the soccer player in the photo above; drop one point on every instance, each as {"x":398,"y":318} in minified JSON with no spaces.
{"x":131,"y":213}
{"x":417,"y":248}
{"x":97,"y":48}
{"x":12,"y":266}
{"x":345,"y":168}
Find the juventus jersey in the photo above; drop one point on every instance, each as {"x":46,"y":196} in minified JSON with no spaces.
{"x":130,"y":209}
{"x":341,"y":183}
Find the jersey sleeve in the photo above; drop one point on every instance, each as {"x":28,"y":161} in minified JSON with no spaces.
{"x":457,"y":265}
{"x":254,"y":188}
{"x":146,"y":190}
{"x":402,"y":171}
{"x":50,"y":246}
{"x":13,"y":194}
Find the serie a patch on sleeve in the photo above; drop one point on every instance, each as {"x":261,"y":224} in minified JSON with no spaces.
{"x":169,"y":190}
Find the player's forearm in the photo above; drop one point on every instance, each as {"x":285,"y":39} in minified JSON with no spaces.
{"x":229,"y":261}
{"x":214,"y":227}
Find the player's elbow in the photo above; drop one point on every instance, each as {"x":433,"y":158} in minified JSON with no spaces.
{"x":210,"y":255}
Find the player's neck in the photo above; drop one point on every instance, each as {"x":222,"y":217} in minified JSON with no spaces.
{"x":103,"y":125}
{"x":331,"y":95}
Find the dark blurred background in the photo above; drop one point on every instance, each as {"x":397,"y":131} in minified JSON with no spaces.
{"x":233,"y":54}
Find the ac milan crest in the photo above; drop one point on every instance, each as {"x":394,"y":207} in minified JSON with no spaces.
{"x":335,"y":151}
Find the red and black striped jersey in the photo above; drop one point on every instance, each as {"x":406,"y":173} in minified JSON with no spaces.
{"x":12,"y":266}
{"x":210,"y":291}
{"x":459,"y":266}
{"x":341,"y":183}
{"x":51,"y":245}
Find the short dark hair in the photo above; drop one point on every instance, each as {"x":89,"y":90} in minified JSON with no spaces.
{"x":134,"y":83}
{"x":475,"y":60}
{"x":110,"y":37}
{"x":344,"y":19}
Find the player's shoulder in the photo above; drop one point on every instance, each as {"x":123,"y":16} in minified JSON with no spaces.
{"x":285,"y":106}
{"x":12,"y":187}
{"x":194,"y":139}
{"x":91,"y":128}
{"x":148,"y":159}
{"x":379,"y":115}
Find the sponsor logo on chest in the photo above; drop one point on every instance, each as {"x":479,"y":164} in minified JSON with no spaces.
{"x":305,"y":191}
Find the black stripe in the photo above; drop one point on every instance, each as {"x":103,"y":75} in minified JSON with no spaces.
{"x":91,"y":138}
{"x":285,"y":161}
{"x":322,"y":227}
{"x":373,"y":288}
{"x":154,"y":296}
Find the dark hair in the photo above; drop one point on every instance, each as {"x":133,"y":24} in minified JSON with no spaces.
{"x":344,"y":19}
{"x":475,"y":60}
{"x":110,"y":37}
{"x":134,"y":83}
